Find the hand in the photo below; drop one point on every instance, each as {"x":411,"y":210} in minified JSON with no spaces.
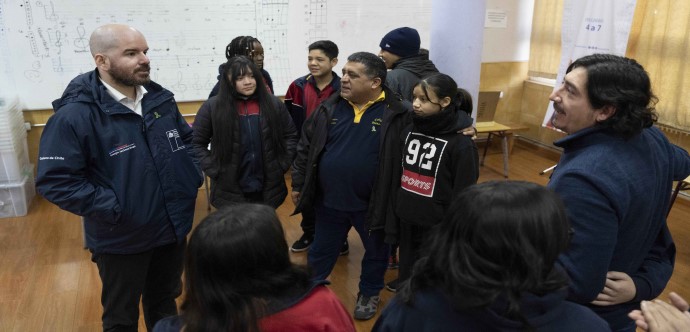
{"x":295,"y":197}
{"x":469,"y":131}
{"x":662,"y":317}
{"x":619,"y":288}
{"x":639,"y":317}
{"x":678,"y":302}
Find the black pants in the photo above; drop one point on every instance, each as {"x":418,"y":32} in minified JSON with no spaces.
{"x":308,"y":221}
{"x":153,"y":276}
{"x":411,"y":239}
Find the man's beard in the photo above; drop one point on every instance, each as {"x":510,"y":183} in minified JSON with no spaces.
{"x":124,"y":78}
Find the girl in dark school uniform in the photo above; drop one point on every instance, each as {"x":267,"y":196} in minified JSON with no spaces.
{"x":251,"y":135}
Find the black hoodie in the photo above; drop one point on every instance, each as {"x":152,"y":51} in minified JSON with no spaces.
{"x":407,"y":72}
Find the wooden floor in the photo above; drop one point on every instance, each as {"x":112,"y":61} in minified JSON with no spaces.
{"x":48,"y":283}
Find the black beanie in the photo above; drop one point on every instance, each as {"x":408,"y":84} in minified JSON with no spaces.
{"x":401,"y":42}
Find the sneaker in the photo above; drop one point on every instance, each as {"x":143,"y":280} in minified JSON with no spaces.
{"x":392,"y":285}
{"x":366,"y":306}
{"x":302,"y":244}
{"x":345,"y":249}
{"x":393,"y":262}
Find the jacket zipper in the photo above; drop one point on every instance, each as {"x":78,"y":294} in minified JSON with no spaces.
{"x":249,"y":132}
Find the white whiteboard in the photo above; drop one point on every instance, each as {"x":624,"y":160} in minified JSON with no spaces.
{"x":44,"y":44}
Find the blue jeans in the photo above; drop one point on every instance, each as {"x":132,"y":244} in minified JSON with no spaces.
{"x":332,"y":227}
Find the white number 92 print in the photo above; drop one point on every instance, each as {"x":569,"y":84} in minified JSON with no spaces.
{"x":421,"y":159}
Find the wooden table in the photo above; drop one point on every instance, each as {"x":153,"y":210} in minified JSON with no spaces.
{"x":682,"y":185}
{"x":505,"y":132}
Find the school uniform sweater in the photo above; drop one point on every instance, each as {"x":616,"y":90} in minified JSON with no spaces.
{"x":317,"y":309}
{"x":303,"y":97}
{"x":432,"y":310}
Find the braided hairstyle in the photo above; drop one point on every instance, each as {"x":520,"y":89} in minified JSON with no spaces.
{"x":241,"y":45}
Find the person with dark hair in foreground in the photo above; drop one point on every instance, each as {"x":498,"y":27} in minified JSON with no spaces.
{"x":238,"y":277}
{"x":490,"y":266}
{"x":615,"y":177}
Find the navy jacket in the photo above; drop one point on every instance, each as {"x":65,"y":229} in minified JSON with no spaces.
{"x":432,"y":310}
{"x":313,"y":139}
{"x":617,"y":193}
{"x":133,"y":178}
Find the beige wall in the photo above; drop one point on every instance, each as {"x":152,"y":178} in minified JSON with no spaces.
{"x":523,"y":102}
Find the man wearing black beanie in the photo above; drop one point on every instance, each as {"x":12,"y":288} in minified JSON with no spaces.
{"x":400,"y":52}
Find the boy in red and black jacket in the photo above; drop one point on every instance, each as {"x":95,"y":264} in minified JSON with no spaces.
{"x":304,"y":95}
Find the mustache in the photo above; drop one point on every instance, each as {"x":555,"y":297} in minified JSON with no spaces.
{"x":144,"y":68}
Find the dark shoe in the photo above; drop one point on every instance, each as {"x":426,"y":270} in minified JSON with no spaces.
{"x":302,"y":244}
{"x":392,"y":285}
{"x":366,"y":306}
{"x":345,"y":249}
{"x":393,"y":262}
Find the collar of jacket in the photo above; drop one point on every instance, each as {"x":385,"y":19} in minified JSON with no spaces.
{"x":87,"y":88}
{"x":586,"y":137}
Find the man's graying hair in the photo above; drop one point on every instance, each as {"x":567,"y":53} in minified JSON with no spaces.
{"x":373,"y":65}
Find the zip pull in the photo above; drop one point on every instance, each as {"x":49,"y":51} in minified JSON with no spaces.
{"x":143,"y":126}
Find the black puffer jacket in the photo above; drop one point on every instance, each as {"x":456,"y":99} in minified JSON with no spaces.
{"x":225,"y":187}
{"x":407,"y":72}
{"x":314,"y":136}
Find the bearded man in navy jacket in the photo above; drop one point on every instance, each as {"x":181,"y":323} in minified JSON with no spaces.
{"x":117,"y":152}
{"x":615,"y":177}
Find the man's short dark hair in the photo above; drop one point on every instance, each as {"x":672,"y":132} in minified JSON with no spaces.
{"x":328,"y":47}
{"x":373,"y":65}
{"x":624,"y":84}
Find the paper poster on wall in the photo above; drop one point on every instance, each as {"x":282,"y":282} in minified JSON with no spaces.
{"x":496,"y":18}
{"x":589,"y":27}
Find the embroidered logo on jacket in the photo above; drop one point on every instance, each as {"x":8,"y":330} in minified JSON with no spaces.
{"x":174,"y":139}
{"x":421,"y":159}
{"x":120,"y":148}
{"x":375,"y":123}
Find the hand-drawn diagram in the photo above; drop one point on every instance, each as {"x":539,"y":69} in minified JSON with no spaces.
{"x":44,"y":43}
{"x":186,"y":39}
{"x":318,"y":20}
